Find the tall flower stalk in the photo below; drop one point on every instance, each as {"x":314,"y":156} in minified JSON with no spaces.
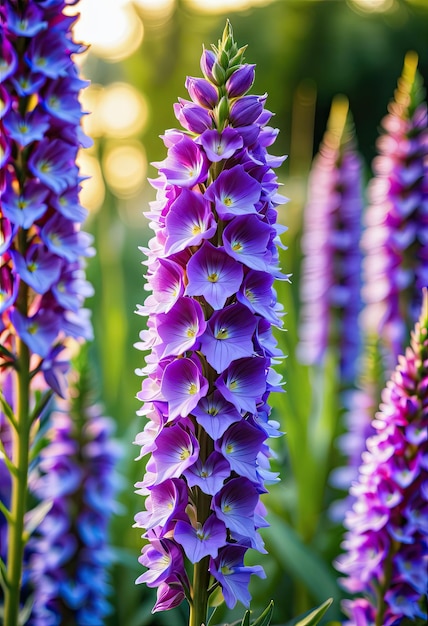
{"x":394,"y":242}
{"x":41,"y":244}
{"x":396,"y":235}
{"x":211,"y":266}
{"x":386,"y":546}
{"x":331,"y":266}
{"x":70,"y":552}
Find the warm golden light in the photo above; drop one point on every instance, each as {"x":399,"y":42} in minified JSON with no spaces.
{"x":111,"y":27}
{"x":122,"y":111}
{"x":90,"y":99}
{"x":125,"y":168}
{"x":372,"y":6}
{"x":224,"y":6}
{"x":93,"y":189}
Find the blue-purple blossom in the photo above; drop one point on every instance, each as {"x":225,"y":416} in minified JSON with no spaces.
{"x":396,"y":235}
{"x":395,"y":264}
{"x":41,"y":215}
{"x":331,"y":266}
{"x":70,"y":552}
{"x":208,"y":375}
{"x":386,"y":544}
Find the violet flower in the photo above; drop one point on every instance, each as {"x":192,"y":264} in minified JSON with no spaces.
{"x":211,"y":265}
{"x":41,"y":129}
{"x":396,"y":236}
{"x":42,"y":245}
{"x":331,"y":266}
{"x":386,"y":546}
{"x":396,"y":259}
{"x":70,"y":552}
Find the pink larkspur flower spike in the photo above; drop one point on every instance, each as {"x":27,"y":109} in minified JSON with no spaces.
{"x":208,"y":375}
{"x":386,"y":545}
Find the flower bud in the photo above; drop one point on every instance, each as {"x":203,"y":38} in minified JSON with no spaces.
{"x":202,"y":92}
{"x":240,"y":81}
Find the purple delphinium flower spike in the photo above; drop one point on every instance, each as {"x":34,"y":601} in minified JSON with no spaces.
{"x":70,"y":553}
{"x":330,"y":285}
{"x":211,"y":266}
{"x":43,"y":248}
{"x":40,"y":169}
{"x":395,"y":241}
{"x":386,"y":546}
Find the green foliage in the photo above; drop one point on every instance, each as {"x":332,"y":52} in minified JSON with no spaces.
{"x":315,"y":616}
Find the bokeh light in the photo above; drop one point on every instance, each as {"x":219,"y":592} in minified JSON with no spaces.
{"x":224,"y":6}
{"x":372,"y":6}
{"x":125,"y":168}
{"x":122,"y":110}
{"x":92,"y":193}
{"x":112,"y":27}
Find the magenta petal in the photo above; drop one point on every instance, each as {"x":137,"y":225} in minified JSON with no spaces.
{"x":188,"y":222}
{"x":228,"y":336}
{"x":240,"y":445}
{"x":180,"y":327}
{"x":185,"y":165}
{"x":182,"y":386}
{"x":246,"y":239}
{"x":210,"y":475}
{"x":176,"y":450}
{"x":219,"y":146}
{"x":244,"y":383}
{"x":213,"y":274}
{"x":215,"y":414}
{"x":203,"y":541}
{"x":234,"y":193}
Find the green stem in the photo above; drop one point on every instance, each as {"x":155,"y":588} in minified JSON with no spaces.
{"x":20,"y":452}
{"x":201,"y":581}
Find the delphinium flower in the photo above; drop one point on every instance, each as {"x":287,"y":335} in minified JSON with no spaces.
{"x":70,"y":551}
{"x":395,"y":265}
{"x":395,"y":241}
{"x":41,"y":244}
{"x":386,"y":546}
{"x":208,"y":376}
{"x":331,"y":265}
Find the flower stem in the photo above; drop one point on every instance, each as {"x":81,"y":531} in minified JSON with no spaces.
{"x":201,"y":580}
{"x":20,"y":452}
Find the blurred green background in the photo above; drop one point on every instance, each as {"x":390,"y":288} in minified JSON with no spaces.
{"x":306,"y":52}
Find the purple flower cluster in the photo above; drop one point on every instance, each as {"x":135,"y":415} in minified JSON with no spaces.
{"x":395,"y":266}
{"x":386,"y":544}
{"x":396,"y":236}
{"x":42,"y":284}
{"x":211,"y":266}
{"x":70,"y":552}
{"x":331,"y":266}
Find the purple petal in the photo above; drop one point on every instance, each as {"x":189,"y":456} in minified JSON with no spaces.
{"x":182,"y":386}
{"x":202,"y":541}
{"x":188,"y":223}
{"x":213,"y":274}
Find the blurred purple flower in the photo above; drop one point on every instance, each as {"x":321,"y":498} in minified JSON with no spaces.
{"x":70,"y":554}
{"x":386,"y":546}
{"x":396,"y":259}
{"x":396,"y":236}
{"x":41,"y":215}
{"x":330,"y":285}
{"x":208,"y":376}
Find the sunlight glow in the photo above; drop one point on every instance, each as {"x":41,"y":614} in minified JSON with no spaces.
{"x":372,"y":6}
{"x":224,"y":6}
{"x":125,"y":168}
{"x":111,"y":27}
{"x":93,"y":190}
{"x":122,"y":110}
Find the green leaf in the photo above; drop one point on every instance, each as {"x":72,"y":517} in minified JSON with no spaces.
{"x":315,"y":615}
{"x":8,"y":411}
{"x":34,"y":517}
{"x":300,"y":560}
{"x":265,"y":617}
{"x":246,"y":619}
